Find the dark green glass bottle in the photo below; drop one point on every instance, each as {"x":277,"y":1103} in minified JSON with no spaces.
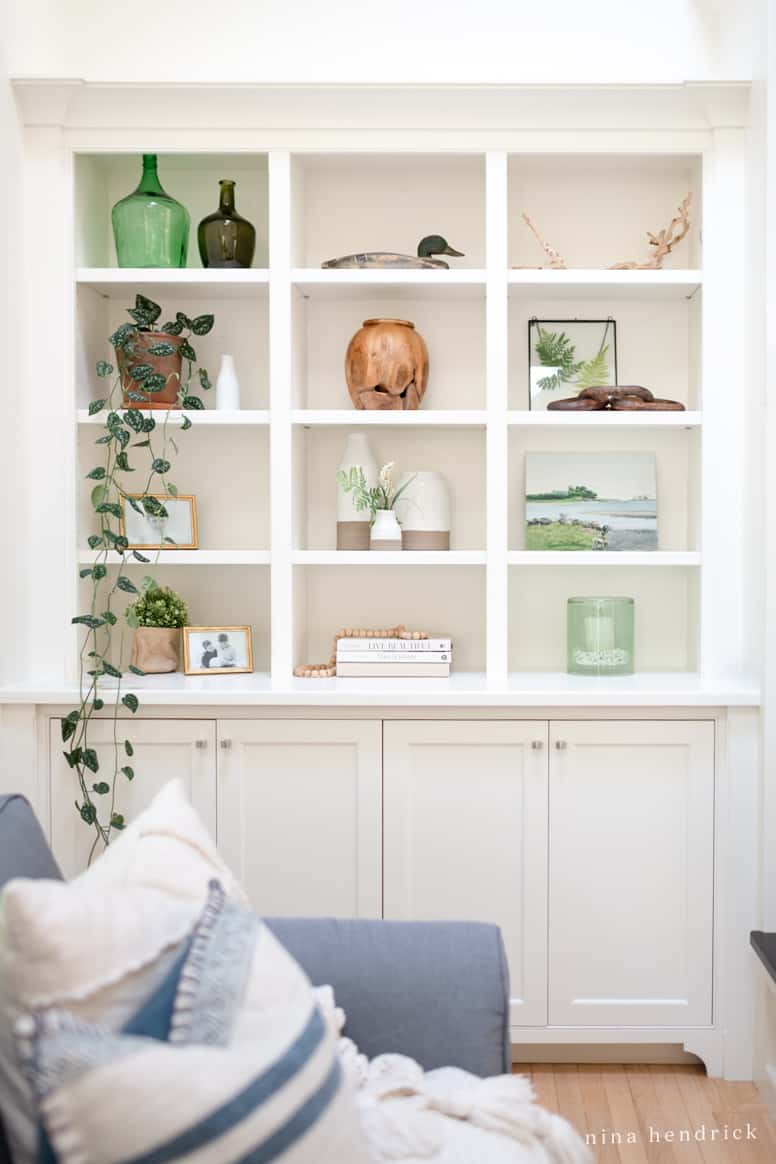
{"x":151,"y":229}
{"x":225,"y":238}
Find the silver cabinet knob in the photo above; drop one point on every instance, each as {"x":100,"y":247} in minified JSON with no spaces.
{"x":561,"y":745}
{"x":537,"y":745}
{"x":200,"y":743}
{"x":225,"y":744}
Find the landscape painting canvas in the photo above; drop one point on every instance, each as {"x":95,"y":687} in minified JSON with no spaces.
{"x":590,"y":501}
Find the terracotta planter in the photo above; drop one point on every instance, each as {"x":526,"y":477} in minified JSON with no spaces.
{"x":156,"y":649}
{"x":386,"y":365}
{"x":167,"y":366}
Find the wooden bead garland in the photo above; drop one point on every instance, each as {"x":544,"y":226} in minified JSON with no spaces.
{"x":329,"y":670}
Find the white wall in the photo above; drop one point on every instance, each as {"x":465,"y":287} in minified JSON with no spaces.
{"x":496,"y":41}
{"x":14,"y":613}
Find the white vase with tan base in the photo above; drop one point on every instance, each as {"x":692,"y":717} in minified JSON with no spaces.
{"x":386,"y":531}
{"x":424,"y":511}
{"x":353,"y":524}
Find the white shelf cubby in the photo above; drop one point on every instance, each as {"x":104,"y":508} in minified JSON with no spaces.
{"x":595,"y":209}
{"x":455,"y":452}
{"x":678,"y":472}
{"x":666,"y":613}
{"x":238,"y":597}
{"x":102,"y":178}
{"x":225,"y":468}
{"x":452,"y":324}
{"x":422,"y":597}
{"x":378,"y":201}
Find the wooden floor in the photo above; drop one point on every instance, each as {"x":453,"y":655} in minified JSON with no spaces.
{"x":642,"y":1103}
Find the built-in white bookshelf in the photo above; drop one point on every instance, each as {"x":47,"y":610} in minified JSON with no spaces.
{"x":264,"y":476}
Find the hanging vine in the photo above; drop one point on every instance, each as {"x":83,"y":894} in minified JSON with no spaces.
{"x":101,"y":647}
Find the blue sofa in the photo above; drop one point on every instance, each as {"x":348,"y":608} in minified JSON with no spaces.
{"x":436,"y":991}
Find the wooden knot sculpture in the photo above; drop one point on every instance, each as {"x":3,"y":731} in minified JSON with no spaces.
{"x":329,"y":670}
{"x":386,"y":366}
{"x":628,"y":398}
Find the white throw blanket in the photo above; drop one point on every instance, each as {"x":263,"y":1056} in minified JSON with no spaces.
{"x":449,"y":1116}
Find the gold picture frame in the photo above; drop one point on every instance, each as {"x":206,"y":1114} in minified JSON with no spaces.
{"x":209,"y":641}
{"x":129,"y":518}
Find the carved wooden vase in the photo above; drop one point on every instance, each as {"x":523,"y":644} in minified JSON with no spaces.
{"x":156,"y":649}
{"x":386,"y":365}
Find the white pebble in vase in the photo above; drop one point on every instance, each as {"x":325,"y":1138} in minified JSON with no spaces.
{"x":227,"y":386}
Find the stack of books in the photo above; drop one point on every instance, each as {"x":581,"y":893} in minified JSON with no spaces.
{"x":402,"y":658}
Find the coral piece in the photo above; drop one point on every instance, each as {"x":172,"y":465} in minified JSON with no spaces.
{"x":557,"y":262}
{"x":329,"y":670}
{"x":664,"y":242}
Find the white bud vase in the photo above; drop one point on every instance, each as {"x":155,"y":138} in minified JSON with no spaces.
{"x":353,"y":524}
{"x":227,"y":385}
{"x":386,"y":531}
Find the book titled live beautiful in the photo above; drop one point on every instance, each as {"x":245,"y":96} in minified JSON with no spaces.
{"x":408,"y":658}
{"x":406,"y":646}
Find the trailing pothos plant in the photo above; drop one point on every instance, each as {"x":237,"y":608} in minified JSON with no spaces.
{"x":127,"y":433}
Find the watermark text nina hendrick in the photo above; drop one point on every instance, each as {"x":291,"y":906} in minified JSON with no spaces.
{"x":700,"y":1135}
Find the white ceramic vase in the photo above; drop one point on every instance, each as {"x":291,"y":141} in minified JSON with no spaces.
{"x":386,"y":531}
{"x":227,"y":385}
{"x":352,"y":524}
{"x":423,"y":511}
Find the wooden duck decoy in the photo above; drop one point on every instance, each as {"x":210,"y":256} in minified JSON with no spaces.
{"x":432,"y":244}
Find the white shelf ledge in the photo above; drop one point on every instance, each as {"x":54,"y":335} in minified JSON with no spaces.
{"x":389,"y":557}
{"x":604,"y":419}
{"x":604,"y":285}
{"x":604,"y":558}
{"x":330,"y":283}
{"x":210,"y":417}
{"x":419,"y":418}
{"x":527,"y":690}
{"x":183,"y":558}
{"x":188,"y":282}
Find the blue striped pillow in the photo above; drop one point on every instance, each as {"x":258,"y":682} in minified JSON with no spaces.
{"x":235,"y":1064}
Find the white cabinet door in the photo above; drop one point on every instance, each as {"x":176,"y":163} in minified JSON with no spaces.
{"x":164,"y":749}
{"x":299,"y":814}
{"x":631,"y":873}
{"x":465,"y":808}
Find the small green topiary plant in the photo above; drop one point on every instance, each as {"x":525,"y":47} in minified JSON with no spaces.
{"x":159,"y":606}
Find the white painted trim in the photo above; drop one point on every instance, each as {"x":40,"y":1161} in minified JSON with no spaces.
{"x":407,"y":558}
{"x":210,"y":418}
{"x":428,"y":418}
{"x":186,"y":558}
{"x":496,"y":437}
{"x":678,"y":107}
{"x":671,"y":692}
{"x":281,"y":459}
{"x":602,"y":558}
{"x":604,"y":419}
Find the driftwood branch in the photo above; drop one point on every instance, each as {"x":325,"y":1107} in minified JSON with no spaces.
{"x":557,"y":262}
{"x":663,"y":242}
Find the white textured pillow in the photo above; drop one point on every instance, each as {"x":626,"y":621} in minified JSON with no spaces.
{"x":249,"y":1071}
{"x":101,"y":944}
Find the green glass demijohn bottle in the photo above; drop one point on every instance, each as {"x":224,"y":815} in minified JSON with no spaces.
{"x":151,"y":229}
{"x":225,"y":238}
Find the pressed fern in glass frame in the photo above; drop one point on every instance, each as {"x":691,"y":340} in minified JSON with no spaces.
{"x":568,"y":356}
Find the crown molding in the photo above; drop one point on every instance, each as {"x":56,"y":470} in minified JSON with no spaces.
{"x":76,"y":104}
